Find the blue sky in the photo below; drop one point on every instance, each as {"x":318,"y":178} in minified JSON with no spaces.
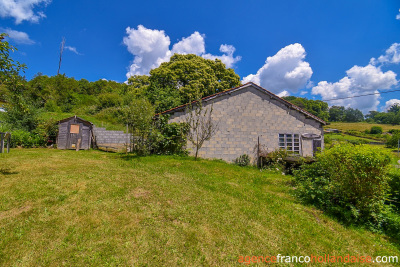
{"x":316,"y":49}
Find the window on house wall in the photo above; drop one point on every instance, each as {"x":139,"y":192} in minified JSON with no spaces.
{"x":290,"y":142}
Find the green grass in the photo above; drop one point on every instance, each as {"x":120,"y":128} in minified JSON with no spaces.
{"x":94,"y":208}
{"x":344,"y":137}
{"x":360,"y":126}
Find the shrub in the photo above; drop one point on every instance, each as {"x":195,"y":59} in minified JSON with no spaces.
{"x":376,"y":130}
{"x":25,"y":139}
{"x":47,"y":130}
{"x":108,"y":100}
{"x":394,"y":184}
{"x":392,"y":225}
{"x":243,"y":160}
{"x":393,"y":140}
{"x":168,"y":138}
{"x":348,"y":181}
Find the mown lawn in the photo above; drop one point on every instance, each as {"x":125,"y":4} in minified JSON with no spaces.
{"x":92,"y":208}
{"x":360,"y":126}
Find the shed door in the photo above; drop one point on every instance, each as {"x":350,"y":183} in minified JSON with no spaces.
{"x":316,"y":145}
{"x":74,"y":135}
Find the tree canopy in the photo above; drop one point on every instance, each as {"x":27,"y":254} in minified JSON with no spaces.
{"x":185,"y":78}
{"x":316,"y":107}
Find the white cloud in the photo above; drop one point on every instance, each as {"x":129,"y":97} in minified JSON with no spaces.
{"x":283,"y":93}
{"x":22,"y":10}
{"x":17,"y":36}
{"x":72,"y":49}
{"x":286,"y":70}
{"x":398,"y":16}
{"x":227,"y":58}
{"x":358,"y":81}
{"x":362,"y":80}
{"x":392,"y":55}
{"x":150,"y":48}
{"x":194,"y":44}
{"x":390,"y":103}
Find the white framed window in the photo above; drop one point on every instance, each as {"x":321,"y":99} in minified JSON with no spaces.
{"x":290,"y":142}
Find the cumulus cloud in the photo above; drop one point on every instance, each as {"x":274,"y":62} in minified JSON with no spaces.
{"x":194,"y":44}
{"x":390,"y":103}
{"x":285,"y":71}
{"x":150,"y":48}
{"x":358,"y":81}
{"x":22,"y":10}
{"x":17,"y":36}
{"x":227,"y":58}
{"x":72,"y":49}
{"x":392,"y":55}
{"x":283,"y":93}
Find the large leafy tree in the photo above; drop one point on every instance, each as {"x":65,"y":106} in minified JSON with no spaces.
{"x":316,"y":107}
{"x":189,"y":77}
{"x":9,"y":69}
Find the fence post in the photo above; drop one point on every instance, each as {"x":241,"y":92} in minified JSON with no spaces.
{"x":2,"y":143}
{"x":8,"y":142}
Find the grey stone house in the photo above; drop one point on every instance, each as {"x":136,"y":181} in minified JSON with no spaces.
{"x":249,"y":117}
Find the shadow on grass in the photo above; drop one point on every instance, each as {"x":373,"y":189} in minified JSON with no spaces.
{"x":132,"y":156}
{"x":7,"y":171}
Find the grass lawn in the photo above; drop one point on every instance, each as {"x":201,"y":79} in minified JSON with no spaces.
{"x":343,"y":137}
{"x":360,"y":126}
{"x":95,"y":208}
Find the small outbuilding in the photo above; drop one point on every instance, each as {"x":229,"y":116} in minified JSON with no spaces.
{"x":74,"y":133}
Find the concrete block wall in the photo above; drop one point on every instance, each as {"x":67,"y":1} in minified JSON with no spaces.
{"x":245,"y":115}
{"x":113,"y":139}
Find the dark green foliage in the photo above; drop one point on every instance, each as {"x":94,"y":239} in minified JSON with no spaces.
{"x":336,"y":113}
{"x":21,"y":112}
{"x":243,"y":160}
{"x":394,"y":184}
{"x":341,"y":114}
{"x":168,"y":138}
{"x":26,"y":139}
{"x":376,"y":130}
{"x":393,"y":141}
{"x":190,"y":76}
{"x":316,"y":107}
{"x":108,"y":100}
{"x":353,"y":115}
{"x":349,"y":182}
{"x":392,"y":116}
{"x":48,"y":131}
{"x":139,"y":118}
{"x":392,"y":225}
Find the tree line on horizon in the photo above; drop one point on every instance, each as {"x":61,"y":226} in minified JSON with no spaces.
{"x":173,"y":83}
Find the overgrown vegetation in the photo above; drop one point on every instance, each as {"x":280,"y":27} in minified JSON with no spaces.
{"x":351,"y":183}
{"x":242,"y":160}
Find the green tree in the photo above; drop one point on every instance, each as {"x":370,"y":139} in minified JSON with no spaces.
{"x":21,"y":112}
{"x":139,"y":118}
{"x":191,"y":76}
{"x":316,"y":107}
{"x":201,"y":126}
{"x":9,"y":69}
{"x":336,"y":113}
{"x":353,"y":115}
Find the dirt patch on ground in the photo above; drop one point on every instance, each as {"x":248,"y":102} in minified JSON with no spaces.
{"x":141,"y":193}
{"x":14,"y":212}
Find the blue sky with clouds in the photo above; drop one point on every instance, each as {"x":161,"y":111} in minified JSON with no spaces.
{"x":317,"y":49}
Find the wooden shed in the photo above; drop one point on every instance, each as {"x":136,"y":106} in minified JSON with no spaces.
{"x":74,"y":133}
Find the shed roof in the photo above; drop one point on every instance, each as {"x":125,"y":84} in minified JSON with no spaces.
{"x":76,"y":117}
{"x":229,"y":91}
